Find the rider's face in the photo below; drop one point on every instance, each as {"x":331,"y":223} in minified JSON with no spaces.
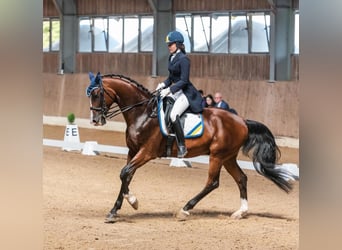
{"x":172,"y":48}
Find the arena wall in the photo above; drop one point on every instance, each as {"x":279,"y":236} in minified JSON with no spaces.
{"x":274,"y":104}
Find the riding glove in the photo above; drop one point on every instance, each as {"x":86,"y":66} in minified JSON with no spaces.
{"x":160,"y":86}
{"x":164,"y":92}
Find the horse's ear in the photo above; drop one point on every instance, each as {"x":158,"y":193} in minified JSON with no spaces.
{"x":91,"y":76}
{"x":98,"y":79}
{"x":98,"y":76}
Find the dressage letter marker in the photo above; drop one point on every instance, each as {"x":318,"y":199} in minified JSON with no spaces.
{"x":71,"y":138}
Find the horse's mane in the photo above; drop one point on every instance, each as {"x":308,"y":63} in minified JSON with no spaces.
{"x":129,"y":80}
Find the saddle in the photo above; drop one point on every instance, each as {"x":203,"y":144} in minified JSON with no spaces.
{"x":192,"y":124}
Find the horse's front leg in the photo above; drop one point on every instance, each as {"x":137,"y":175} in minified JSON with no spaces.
{"x":126,"y":176}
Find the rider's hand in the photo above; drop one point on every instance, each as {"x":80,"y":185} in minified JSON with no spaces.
{"x":160,"y":86}
{"x":164,"y":92}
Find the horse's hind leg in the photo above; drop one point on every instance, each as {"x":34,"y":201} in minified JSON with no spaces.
{"x":212,"y":183}
{"x":241,"y":180}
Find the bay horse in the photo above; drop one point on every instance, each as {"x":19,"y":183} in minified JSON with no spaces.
{"x":223,"y":136}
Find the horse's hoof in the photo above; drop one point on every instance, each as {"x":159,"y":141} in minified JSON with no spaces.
{"x":132,"y":200}
{"x":238,"y":215}
{"x":111,"y":218}
{"x":182,"y":215}
{"x":134,"y":203}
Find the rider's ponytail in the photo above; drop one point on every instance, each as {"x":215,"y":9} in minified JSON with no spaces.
{"x":181,"y":47}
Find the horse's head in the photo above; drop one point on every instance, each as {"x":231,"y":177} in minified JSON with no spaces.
{"x":100,"y":101}
{"x":125,"y":93}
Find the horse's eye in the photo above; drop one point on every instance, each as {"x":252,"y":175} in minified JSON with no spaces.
{"x":93,"y":98}
{"x":95,"y":95}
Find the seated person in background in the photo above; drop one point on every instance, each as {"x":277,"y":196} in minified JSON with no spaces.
{"x":220,"y":103}
{"x":209,"y":99}
{"x":204,"y":104}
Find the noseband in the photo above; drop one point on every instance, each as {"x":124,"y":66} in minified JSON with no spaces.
{"x":103,"y":109}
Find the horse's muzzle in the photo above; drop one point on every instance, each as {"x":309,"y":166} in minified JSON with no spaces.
{"x":98,"y":117}
{"x":99,"y":120}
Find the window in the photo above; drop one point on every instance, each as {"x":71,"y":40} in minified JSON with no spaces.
{"x":100,"y":32}
{"x":296,"y":34}
{"x":219,"y":33}
{"x":234,"y":32}
{"x":146,"y":38}
{"x":51,"y":34}
{"x":260,"y":33}
{"x":183,"y":25}
{"x":201,"y":33}
{"x":85,"y":35}
{"x":93,"y":35}
{"x":131,"y":32}
{"x":116,"y":34}
{"x":238,"y":34}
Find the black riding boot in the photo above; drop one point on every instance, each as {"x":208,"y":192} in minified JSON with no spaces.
{"x":177,"y":128}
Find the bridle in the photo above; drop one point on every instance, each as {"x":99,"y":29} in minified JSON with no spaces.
{"x":114,"y":109}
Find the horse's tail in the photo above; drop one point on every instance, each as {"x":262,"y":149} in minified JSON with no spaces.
{"x":265,"y":155}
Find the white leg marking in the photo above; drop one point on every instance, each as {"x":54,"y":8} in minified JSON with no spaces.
{"x":242,"y":210}
{"x":132,"y":200}
{"x":91,"y":113}
{"x":182,"y":215}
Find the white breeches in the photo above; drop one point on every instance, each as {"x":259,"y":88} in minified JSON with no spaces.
{"x":181,"y":104}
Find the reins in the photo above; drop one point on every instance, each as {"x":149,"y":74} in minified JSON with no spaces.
{"x":116,"y":110}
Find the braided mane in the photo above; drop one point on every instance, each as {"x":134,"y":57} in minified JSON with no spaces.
{"x":129,"y":80}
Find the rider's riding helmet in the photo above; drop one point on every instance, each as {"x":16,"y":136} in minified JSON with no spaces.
{"x":174,"y":37}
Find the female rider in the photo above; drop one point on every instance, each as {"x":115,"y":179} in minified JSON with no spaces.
{"x":179,"y":87}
